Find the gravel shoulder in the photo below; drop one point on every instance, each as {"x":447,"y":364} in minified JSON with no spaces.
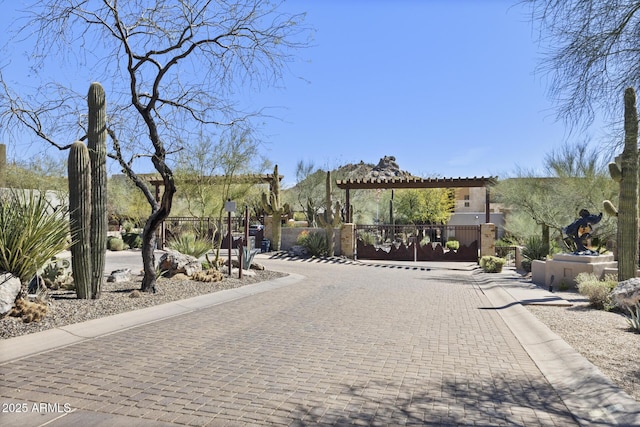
{"x":604,"y":338}
{"x":65,"y":309}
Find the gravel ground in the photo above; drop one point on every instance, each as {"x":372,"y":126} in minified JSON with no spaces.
{"x":65,"y":309}
{"x":604,"y":338}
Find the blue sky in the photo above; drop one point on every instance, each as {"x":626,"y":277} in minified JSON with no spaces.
{"x":447,"y":87}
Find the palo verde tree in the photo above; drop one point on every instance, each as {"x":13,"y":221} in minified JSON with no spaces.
{"x":170,"y":69}
{"x":424,"y":206}
{"x":214,"y":172}
{"x":575,"y":178}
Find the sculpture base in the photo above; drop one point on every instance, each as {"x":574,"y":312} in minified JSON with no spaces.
{"x":561,"y":271}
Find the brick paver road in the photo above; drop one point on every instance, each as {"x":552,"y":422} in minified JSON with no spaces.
{"x":349,"y":345}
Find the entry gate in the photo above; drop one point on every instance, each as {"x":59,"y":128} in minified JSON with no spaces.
{"x":417,"y":243}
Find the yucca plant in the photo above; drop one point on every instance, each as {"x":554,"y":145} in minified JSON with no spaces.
{"x":31,"y":233}
{"x":535,"y":249}
{"x":188,"y":244}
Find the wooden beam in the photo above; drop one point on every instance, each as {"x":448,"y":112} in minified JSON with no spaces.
{"x":412,"y":182}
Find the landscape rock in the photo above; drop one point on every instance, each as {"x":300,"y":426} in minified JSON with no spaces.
{"x":627,"y":293}
{"x":299,"y":251}
{"x":9,"y":290}
{"x":121,"y":275}
{"x":257,"y":266}
{"x":174,"y":262}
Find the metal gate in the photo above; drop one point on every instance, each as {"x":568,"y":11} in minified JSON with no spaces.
{"x":418,"y":242}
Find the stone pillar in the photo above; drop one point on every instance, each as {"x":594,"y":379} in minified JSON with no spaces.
{"x":487,"y":239}
{"x":348,"y":239}
{"x":519,"y":257}
{"x":268,"y":227}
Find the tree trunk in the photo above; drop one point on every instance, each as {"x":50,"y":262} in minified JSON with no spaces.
{"x":148,"y":257}
{"x":151,"y":227}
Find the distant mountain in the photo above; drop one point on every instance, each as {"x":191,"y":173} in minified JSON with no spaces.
{"x":386,"y":168}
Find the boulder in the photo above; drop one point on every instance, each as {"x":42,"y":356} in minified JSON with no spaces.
{"x":9,"y":290}
{"x":627,"y":294}
{"x":257,"y":266}
{"x":120,"y":275}
{"x":174,"y":262}
{"x":298,"y":251}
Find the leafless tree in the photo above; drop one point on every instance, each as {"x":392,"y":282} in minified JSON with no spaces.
{"x":593,"y":54}
{"x":170,"y":68}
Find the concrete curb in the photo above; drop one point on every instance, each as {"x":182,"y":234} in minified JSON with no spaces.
{"x":28,"y":345}
{"x":588,"y":394}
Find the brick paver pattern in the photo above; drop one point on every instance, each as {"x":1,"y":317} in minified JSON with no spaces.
{"x":349,"y":345}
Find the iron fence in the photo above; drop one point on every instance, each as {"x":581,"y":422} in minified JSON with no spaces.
{"x":383,"y":235}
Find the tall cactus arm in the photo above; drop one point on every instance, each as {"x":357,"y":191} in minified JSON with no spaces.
{"x":615,"y":172}
{"x":271,"y":205}
{"x":79,"y":170}
{"x":628,"y":204}
{"x":97,"y":144}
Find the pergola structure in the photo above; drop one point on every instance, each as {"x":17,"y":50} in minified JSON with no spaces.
{"x":157,"y":182}
{"x":414,"y":182}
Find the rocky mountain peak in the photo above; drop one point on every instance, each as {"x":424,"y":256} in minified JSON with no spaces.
{"x":387,"y":168}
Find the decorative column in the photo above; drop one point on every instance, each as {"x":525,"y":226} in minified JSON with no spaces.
{"x":487,"y":239}
{"x":348,"y":239}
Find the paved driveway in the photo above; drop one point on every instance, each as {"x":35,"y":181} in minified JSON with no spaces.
{"x":348,"y":345}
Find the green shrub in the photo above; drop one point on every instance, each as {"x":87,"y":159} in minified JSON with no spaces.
{"x":526,"y":265}
{"x":597,"y":291}
{"x":453,"y":245}
{"x":315,"y":243}
{"x":133,"y":240}
{"x":115,"y":244}
{"x":492,"y":264}
{"x":188,"y":244}
{"x":31,"y":233}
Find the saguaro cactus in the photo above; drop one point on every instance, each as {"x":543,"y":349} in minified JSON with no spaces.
{"x":273,"y":206}
{"x":97,"y":143}
{"x":331,"y":217}
{"x":625,"y":172}
{"x":79,"y":170}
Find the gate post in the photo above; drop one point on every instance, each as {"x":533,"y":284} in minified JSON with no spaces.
{"x":347,"y":239}
{"x":487,"y":239}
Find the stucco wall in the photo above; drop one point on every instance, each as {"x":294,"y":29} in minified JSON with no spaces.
{"x":290,"y":236}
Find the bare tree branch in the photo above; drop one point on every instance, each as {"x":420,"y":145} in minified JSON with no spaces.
{"x":170,"y":69}
{"x":593,"y":54}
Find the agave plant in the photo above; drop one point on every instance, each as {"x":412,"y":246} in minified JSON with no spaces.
{"x":31,"y":233}
{"x":188,"y":244}
{"x":634,"y":318}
